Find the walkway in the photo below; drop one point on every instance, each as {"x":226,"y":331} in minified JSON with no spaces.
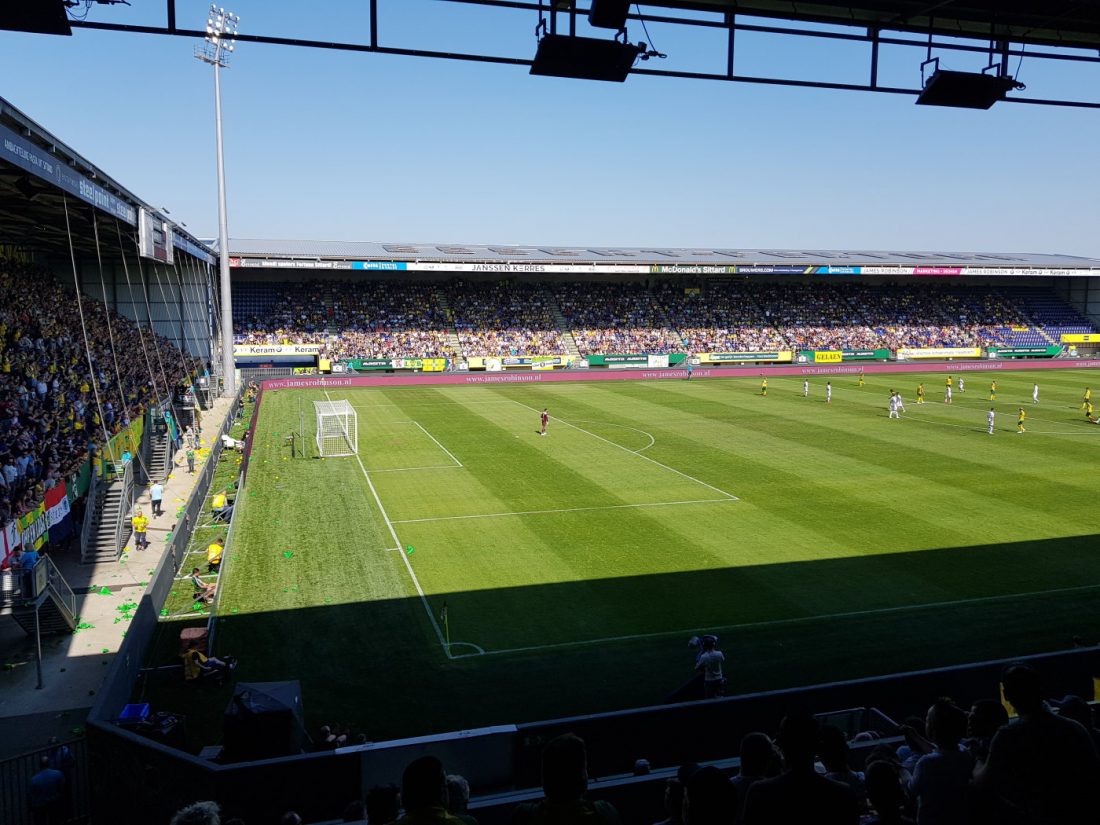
{"x":107,"y":594}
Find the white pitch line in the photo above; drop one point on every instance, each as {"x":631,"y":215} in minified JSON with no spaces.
{"x":440,"y":446}
{"x":567,"y":510}
{"x":430,"y":467}
{"x":652,"y":440}
{"x":639,"y":455}
{"x":404,"y":556}
{"x":881,"y":611}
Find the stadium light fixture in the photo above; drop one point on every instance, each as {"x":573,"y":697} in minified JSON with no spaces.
{"x":221,"y":35}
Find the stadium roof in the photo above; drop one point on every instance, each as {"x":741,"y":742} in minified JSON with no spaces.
{"x":305,"y":251}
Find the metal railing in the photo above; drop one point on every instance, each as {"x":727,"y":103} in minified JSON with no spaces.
{"x":59,"y":587}
{"x":15,"y":782}
{"x":90,"y":502}
{"x":126,"y":471}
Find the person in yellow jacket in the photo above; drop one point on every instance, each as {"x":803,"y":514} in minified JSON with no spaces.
{"x":214,"y":552}
{"x":140,"y":523}
{"x":221,"y":506}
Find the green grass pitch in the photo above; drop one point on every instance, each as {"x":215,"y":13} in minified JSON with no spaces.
{"x":819,"y":541}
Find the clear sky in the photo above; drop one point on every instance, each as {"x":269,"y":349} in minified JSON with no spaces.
{"x":332,"y":145}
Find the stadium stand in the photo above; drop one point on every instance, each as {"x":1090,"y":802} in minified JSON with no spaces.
{"x":49,"y":419}
{"x":410,"y":319}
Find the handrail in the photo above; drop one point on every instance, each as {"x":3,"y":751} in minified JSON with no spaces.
{"x":59,"y":586}
{"x":169,"y":455}
{"x":124,"y":503}
{"x":89,"y":511}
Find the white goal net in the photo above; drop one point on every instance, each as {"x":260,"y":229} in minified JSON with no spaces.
{"x":337,"y":428}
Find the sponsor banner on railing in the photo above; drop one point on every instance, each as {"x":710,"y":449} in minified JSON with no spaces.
{"x":1024,"y":352}
{"x":254,"y":350}
{"x":836,"y":356}
{"x":828,"y":356}
{"x":736,"y":357}
{"x":1081,"y":338}
{"x":370,"y":364}
{"x":940,"y":352}
{"x":651,"y":360}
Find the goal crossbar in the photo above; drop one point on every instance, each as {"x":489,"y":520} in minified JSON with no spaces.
{"x":337,"y":428}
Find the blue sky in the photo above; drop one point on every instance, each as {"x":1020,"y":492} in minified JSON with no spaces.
{"x":331,"y":145}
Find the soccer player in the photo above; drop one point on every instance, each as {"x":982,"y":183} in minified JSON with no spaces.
{"x":992,"y":390}
{"x":990,"y":418}
{"x":1088,"y":408}
{"x":1020,"y":421}
{"x":950,"y":383}
{"x":1035,"y":394}
{"x":828,"y":392}
{"x":689,"y":368}
{"x":947,"y":394}
{"x":962,"y":384}
{"x":544,"y":419}
{"x":901,"y":404}
{"x":861,"y":376}
{"x":920,"y":393}
{"x":805,"y":389}
{"x":1087,"y":399}
{"x":764,"y":386}
{"x":893,"y":405}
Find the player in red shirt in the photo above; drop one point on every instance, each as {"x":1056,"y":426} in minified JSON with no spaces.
{"x":545,"y":419}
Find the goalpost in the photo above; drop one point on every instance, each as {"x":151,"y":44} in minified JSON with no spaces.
{"x":337,"y":428}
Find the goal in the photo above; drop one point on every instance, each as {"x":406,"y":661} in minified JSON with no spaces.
{"x":337,"y":428}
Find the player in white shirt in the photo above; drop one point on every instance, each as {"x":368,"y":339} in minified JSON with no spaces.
{"x":805,"y":389}
{"x":828,"y":392}
{"x":990,"y":418}
{"x":947,"y":395}
{"x":901,"y":404}
{"x":1035,"y":394}
{"x":893,"y":405}
{"x":962,"y":384}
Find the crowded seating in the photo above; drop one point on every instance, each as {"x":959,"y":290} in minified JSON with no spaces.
{"x":504,"y":319}
{"x":50,"y":420}
{"x":615,"y":318}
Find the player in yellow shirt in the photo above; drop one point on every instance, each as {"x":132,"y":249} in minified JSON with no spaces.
{"x":140,"y":523}
{"x":920,"y":393}
{"x":993,"y":391}
{"x":861,"y":377}
{"x":1020,"y":420}
{"x":764,"y":387}
{"x":1087,"y":399}
{"x":950,"y":383}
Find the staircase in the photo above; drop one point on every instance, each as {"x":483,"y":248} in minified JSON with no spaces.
{"x":160,"y":458}
{"x":54,"y":600}
{"x":563,"y":325}
{"x":108,"y":528}
{"x":452,"y":333}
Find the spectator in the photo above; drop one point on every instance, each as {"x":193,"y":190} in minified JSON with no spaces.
{"x":458,"y":798}
{"x":834,"y":756}
{"x":799,"y":794}
{"x":47,"y":794}
{"x":424,"y":794}
{"x":758,"y":758}
{"x":198,"y":813}
{"x":674,"y":803}
{"x":985,"y":719}
{"x":564,"y":782}
{"x":709,"y":798}
{"x":942,"y":777}
{"x":1043,"y":767}
{"x":886,"y":795}
{"x":382,"y":804}
{"x":203,"y":592}
{"x":196,"y":665}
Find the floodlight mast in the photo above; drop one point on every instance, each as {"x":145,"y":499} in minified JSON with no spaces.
{"x":221,"y":34}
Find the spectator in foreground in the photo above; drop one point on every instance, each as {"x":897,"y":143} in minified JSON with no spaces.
{"x":986,"y":717}
{"x":757,"y":759}
{"x":458,"y":798}
{"x":1042,"y":767}
{"x":198,"y":813}
{"x":885,"y":794}
{"x":834,"y":756}
{"x":47,"y":794}
{"x":674,"y":803}
{"x":424,"y":794}
{"x":564,"y":782}
{"x":942,"y":777}
{"x":382,"y":806}
{"x":800,"y":794}
{"x":709,"y":798}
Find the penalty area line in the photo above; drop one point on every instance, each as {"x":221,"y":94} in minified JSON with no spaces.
{"x":854,"y":614}
{"x":568,"y":510}
{"x":450,"y":455}
{"x":404,"y":556}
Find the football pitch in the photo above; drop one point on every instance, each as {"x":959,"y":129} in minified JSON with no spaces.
{"x":464,"y":570}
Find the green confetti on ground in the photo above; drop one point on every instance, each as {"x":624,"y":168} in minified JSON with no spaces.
{"x":84,"y":626}
{"x":142,"y":584}
{"x":197,"y":606}
{"x":235,"y":610}
{"x":286,"y":590}
{"x":105,"y":650}
{"x":294,"y":590}
{"x":328,"y":600}
{"x":287,"y":554}
{"x":175,"y":592}
{"x":164,"y":612}
{"x":409,"y":550}
{"x":104,"y":591}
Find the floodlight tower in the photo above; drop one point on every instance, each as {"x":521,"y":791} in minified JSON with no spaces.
{"x":221,"y":35}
